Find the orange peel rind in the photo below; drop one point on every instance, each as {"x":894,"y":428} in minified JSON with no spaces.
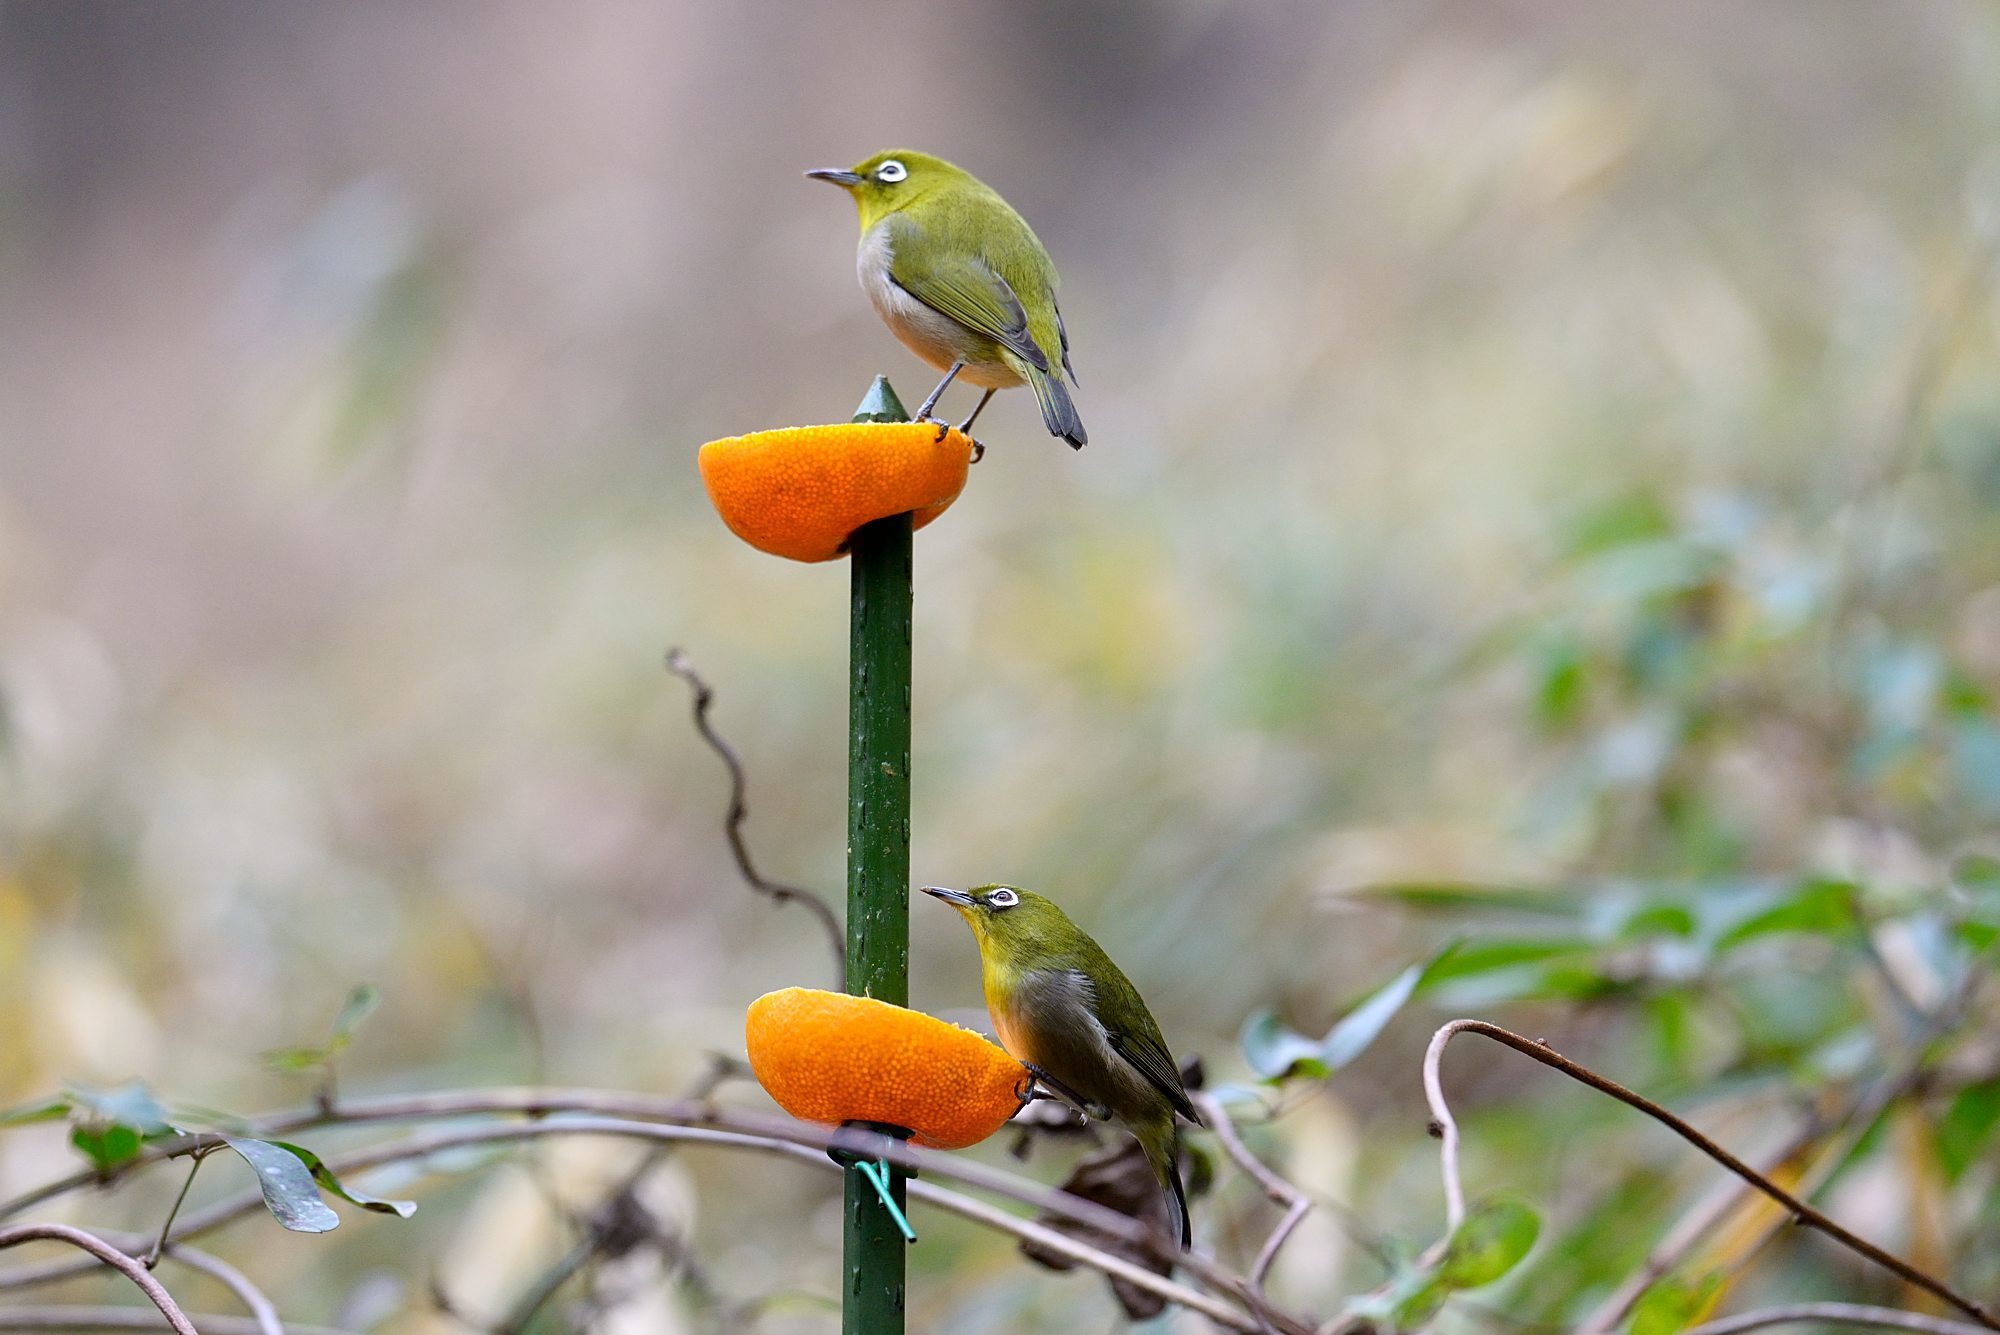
{"x":800,"y":492}
{"x":831,"y":1057}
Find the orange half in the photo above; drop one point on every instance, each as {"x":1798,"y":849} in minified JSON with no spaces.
{"x":800,"y":492}
{"x":831,"y":1057}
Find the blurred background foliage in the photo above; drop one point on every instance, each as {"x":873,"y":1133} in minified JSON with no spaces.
{"x":1542,"y":497}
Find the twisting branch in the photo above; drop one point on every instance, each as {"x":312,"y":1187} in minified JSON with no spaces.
{"x":159,"y":1243}
{"x":82,"y":1317}
{"x":739,"y":810}
{"x":118,"y":1260}
{"x":736,"y":1129}
{"x":1802,"y":1213}
{"x":261,"y":1309}
{"x":1281,"y":1192}
{"x":1844,"y":1129}
{"x":1839,"y":1314}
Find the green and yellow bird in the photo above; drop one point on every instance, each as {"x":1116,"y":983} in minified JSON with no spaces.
{"x":957,"y":276}
{"x":1072,"y":1017}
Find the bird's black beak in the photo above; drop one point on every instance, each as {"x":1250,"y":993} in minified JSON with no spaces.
{"x":958,"y":897}
{"x":836,"y":175}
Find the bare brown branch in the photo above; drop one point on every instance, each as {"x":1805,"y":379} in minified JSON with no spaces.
{"x":1802,"y":1213}
{"x":119,"y":1260}
{"x":87,"y":1317}
{"x":674,"y":1122}
{"x":739,"y":811}
{"x":261,"y":1309}
{"x":1281,"y":1192}
{"x":1839,"y":1314}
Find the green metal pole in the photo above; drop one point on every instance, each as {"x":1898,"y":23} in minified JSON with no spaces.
{"x":878,"y":855}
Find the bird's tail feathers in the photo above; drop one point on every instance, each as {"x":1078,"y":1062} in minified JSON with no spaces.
{"x":1058,"y":412}
{"x":1164,"y":1153}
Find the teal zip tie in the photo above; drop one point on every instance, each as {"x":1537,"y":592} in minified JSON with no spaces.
{"x":877,"y":1174}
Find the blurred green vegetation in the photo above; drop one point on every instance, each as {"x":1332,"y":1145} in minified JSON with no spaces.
{"x":1544,"y":497}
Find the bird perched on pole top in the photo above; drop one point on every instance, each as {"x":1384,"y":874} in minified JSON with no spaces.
{"x":958,"y":276}
{"x":1067,"y":1013}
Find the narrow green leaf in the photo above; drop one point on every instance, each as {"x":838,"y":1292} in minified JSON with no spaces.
{"x":1462,"y":897}
{"x":1491,"y":1240}
{"x":360,"y":1004}
{"x":1658,"y":920}
{"x":296,"y":1059}
{"x":1967,"y":1127}
{"x":1414,"y":1299}
{"x":1977,"y":877}
{"x":1275,"y":1051}
{"x":324,"y":1176}
{"x":1818,"y":907}
{"x":1358,"y":1028}
{"x":287,"y":1184}
{"x":1673,"y":1304}
{"x":51,"y":1109}
{"x":1471,"y":959}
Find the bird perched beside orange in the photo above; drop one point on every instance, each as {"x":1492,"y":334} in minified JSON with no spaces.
{"x":961,"y":279}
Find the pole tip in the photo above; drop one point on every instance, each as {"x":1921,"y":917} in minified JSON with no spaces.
{"x":880,"y":404}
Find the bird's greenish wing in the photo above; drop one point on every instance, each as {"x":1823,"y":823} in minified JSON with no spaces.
{"x":961,"y":286}
{"x":1148,"y":1053}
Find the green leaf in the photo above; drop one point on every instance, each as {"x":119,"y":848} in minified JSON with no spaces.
{"x":1474,"y":958}
{"x":1275,"y":1050}
{"x":1658,"y":920}
{"x":1977,"y":877}
{"x":360,"y":1004}
{"x":112,"y":1125}
{"x":1673,"y":1304}
{"x":1490,"y":1241}
{"x":1463,"y":897}
{"x":1818,"y":906}
{"x":1559,"y":696}
{"x":130,"y":1105}
{"x":1350,"y":1037}
{"x":1412,"y":1299}
{"x":51,"y":1109}
{"x":287,"y":1184}
{"x":296,"y":1059}
{"x":1967,"y":1126}
{"x":1634,"y":517}
{"x":108,"y":1147}
{"x":324,"y":1176}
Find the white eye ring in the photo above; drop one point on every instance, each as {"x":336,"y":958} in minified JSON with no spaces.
{"x":1003,"y":899}
{"x":891,"y":172}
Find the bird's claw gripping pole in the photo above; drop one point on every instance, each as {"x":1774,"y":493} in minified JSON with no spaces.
{"x":878,"y":868}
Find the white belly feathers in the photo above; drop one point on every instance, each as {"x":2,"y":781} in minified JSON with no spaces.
{"x":933,"y":336}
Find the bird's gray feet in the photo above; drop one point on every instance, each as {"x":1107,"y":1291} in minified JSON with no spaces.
{"x":1064,"y":1094}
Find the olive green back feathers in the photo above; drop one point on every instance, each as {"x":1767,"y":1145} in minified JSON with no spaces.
{"x":959,"y":249}
{"x":1063,"y":1007}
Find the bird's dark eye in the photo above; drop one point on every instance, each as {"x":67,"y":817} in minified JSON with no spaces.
{"x":1003,"y":899}
{"x":891,"y":172}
